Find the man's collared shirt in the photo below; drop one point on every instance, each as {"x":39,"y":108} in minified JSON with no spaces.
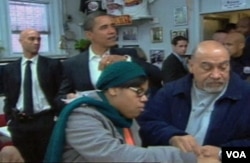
{"x":39,"y":100}
{"x":202,"y":107}
{"x":94,"y":61}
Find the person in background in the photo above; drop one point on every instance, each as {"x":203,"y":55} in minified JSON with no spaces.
{"x":220,"y":36}
{"x":174,"y":66}
{"x":230,"y":27}
{"x":82,"y":71}
{"x":203,"y":111}
{"x":30,"y":86}
{"x":99,"y":126}
{"x":8,"y":152}
{"x":235,"y":44}
{"x":243,"y":26}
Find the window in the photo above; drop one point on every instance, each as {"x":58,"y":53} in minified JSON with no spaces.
{"x":42,"y":15}
{"x":25,"y":15}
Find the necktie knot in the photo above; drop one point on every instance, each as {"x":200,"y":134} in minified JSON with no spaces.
{"x":28,"y":62}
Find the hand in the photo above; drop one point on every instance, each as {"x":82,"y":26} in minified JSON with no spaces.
{"x":207,"y":160}
{"x":116,"y":58}
{"x":210,"y":151}
{"x":71,"y":95}
{"x":109,"y":59}
{"x":186,"y":143}
{"x":10,"y":154}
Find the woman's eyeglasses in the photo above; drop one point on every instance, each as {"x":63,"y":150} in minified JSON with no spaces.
{"x":139,"y":91}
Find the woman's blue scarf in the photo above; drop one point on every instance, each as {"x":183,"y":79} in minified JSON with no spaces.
{"x":57,"y":141}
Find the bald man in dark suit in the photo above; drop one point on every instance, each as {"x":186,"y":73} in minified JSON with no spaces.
{"x":31,"y":126}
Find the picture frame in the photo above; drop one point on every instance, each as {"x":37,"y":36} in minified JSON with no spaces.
{"x":130,"y":33}
{"x":180,"y":16}
{"x":156,"y":34}
{"x":157,"y":57}
{"x":179,"y":32}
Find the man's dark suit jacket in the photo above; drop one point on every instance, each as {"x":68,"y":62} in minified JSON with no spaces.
{"x":49,"y":76}
{"x":76,"y":75}
{"x":172,"y":69}
{"x":238,"y":64}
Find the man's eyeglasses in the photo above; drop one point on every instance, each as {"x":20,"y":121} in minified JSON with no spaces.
{"x":139,"y":91}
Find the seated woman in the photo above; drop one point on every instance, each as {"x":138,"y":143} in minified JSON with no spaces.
{"x":96,"y":127}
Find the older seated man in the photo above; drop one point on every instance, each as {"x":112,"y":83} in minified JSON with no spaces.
{"x":203,"y":111}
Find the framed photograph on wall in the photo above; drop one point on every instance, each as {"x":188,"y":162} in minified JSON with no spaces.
{"x":179,"y":32}
{"x":156,"y":34}
{"x":129,"y":33}
{"x":180,"y":16}
{"x":156,"y":57}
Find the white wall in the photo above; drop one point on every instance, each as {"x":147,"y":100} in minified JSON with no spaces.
{"x":163,"y":10}
{"x":72,"y":8}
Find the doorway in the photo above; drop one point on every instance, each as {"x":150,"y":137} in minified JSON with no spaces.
{"x":218,"y":21}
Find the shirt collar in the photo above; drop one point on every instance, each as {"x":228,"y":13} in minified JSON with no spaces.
{"x":34,"y":59}
{"x":234,"y":89}
{"x":92,"y":55}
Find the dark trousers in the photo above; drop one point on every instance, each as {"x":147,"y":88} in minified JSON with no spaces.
{"x":31,"y":136}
